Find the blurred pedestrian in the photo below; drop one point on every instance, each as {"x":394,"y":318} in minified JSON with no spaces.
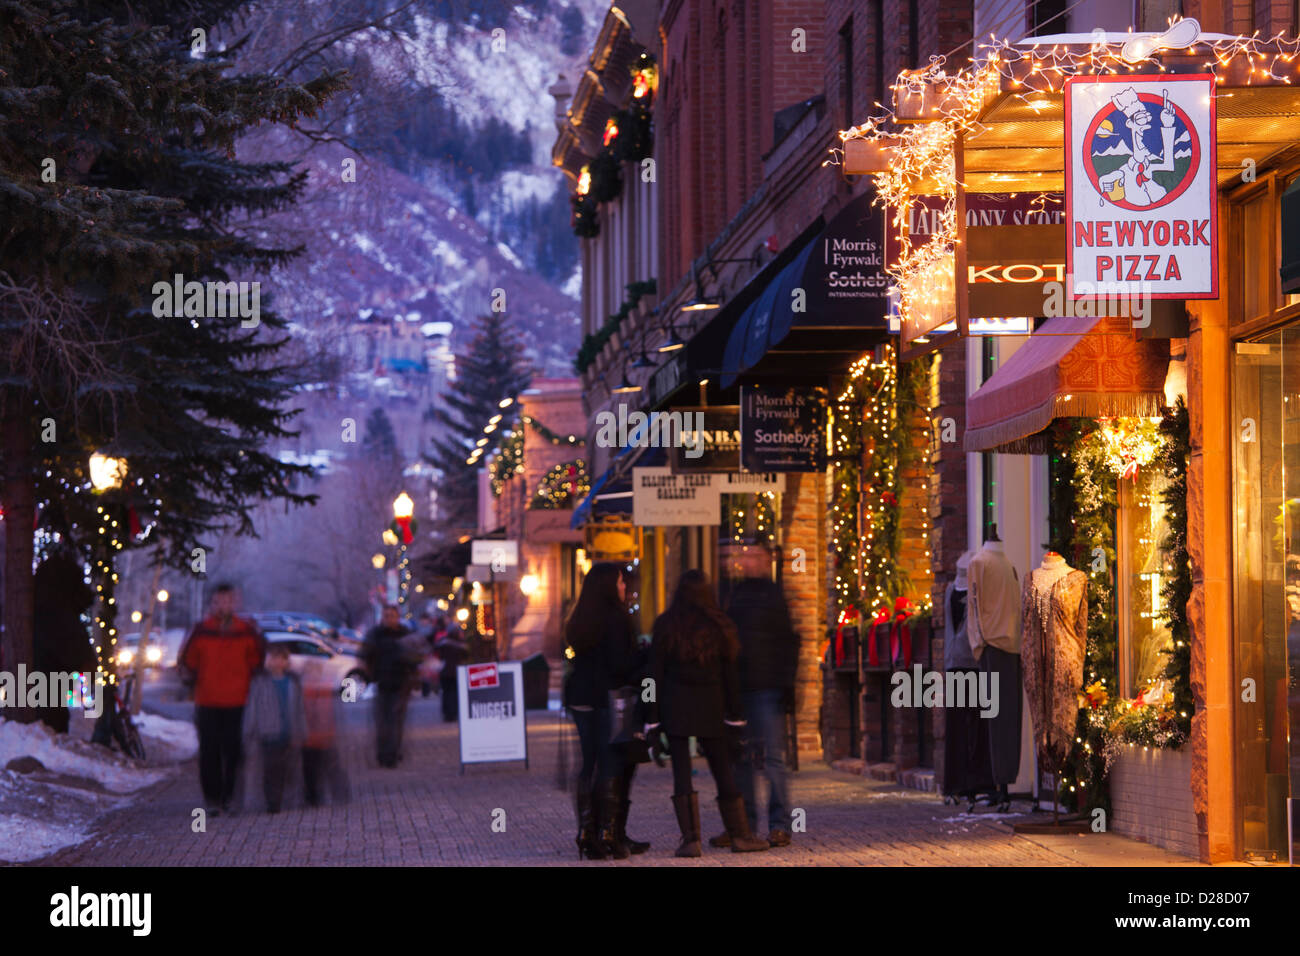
{"x":322,"y":769}
{"x":769,"y":655}
{"x":221,"y":654}
{"x":274,"y":723}
{"x":602,"y":641}
{"x":428,"y":629}
{"x":453,"y":652}
{"x":697,"y":693}
{"x":391,"y":665}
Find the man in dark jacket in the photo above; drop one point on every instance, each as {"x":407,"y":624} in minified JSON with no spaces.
{"x":769,"y":654}
{"x":391,"y":662}
{"x":222,"y":653}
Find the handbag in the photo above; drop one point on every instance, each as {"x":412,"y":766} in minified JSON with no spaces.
{"x":625,"y":725}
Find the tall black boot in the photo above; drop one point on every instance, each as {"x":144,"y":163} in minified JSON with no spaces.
{"x":733,"y":816}
{"x":687,"y":807}
{"x":624,"y":806}
{"x":586,"y":840}
{"x":608,"y":792}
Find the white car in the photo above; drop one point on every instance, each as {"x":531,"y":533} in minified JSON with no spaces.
{"x":307,"y":651}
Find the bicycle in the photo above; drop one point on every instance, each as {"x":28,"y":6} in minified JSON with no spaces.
{"x":115,"y":725}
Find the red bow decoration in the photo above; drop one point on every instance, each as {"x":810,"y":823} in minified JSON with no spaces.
{"x":900,"y":638}
{"x":405,"y":525}
{"x":848,"y":615}
{"x":889,"y":498}
{"x":881,"y":617}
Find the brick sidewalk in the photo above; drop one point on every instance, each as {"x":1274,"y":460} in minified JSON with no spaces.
{"x":425,"y":813}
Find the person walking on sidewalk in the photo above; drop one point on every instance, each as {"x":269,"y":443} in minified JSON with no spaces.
{"x":600,"y":635}
{"x":274,"y":723}
{"x":697,"y":693}
{"x":769,"y":655}
{"x":221,"y":654}
{"x":391,"y":663}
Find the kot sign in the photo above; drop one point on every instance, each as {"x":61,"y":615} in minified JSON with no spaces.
{"x":1140,"y":186}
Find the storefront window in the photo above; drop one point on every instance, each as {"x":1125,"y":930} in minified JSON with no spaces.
{"x":1145,"y":640}
{"x":1266,"y":395}
{"x":1259,"y":269}
{"x":749,"y":529}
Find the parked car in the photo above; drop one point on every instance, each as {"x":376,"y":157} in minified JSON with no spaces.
{"x":299,"y":622}
{"x":305,"y":647}
{"x":161,"y":650}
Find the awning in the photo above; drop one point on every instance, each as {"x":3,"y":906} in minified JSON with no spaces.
{"x":611,"y":493}
{"x":1071,"y":367}
{"x":842,"y":312}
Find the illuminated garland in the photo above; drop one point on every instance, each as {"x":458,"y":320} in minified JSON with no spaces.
{"x":870,"y":446}
{"x":756,"y":524}
{"x":508,"y":461}
{"x":593,"y":343}
{"x":922,"y":153}
{"x":553,"y":437}
{"x":561,"y":485}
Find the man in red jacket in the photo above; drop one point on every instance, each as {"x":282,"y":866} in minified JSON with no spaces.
{"x":221,"y":653}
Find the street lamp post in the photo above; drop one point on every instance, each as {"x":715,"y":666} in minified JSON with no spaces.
{"x":403,"y":515}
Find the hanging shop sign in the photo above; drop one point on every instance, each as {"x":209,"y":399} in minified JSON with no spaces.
{"x":710,"y":439}
{"x":1140,"y":158}
{"x":782,"y":429}
{"x":845,"y":275}
{"x":989,"y":217}
{"x":610,"y":538}
{"x":493,"y":725}
{"x":496,"y":554}
{"x":661,"y":498}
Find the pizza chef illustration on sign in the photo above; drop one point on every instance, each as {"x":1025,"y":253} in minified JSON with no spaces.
{"x":1140,"y":185}
{"x":1122,"y":164}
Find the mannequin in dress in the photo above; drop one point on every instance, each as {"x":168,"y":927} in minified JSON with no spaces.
{"x":966,"y":741}
{"x":993,"y":626}
{"x":1055,"y":617}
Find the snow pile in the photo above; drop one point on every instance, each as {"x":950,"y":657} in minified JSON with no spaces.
{"x":65,"y":755}
{"x":176,"y":739}
{"x":23,"y":839}
{"x":55,"y":805}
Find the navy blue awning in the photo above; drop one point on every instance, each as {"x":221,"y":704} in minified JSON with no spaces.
{"x":843,"y":307}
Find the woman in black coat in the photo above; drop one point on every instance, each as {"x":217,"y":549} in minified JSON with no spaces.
{"x":697,"y":694}
{"x":602,"y":645}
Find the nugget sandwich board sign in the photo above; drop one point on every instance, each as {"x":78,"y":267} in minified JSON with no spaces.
{"x":1140,"y":186}
{"x":493,"y":725}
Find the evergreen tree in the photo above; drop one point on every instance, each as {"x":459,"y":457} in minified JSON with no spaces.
{"x":379,"y":440}
{"x":489,"y":371}
{"x":117,"y":172}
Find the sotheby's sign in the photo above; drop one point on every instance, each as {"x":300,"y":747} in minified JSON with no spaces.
{"x":782,"y":429}
{"x":1140,"y":186}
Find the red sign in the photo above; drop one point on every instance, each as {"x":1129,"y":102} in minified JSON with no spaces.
{"x":482,"y":675}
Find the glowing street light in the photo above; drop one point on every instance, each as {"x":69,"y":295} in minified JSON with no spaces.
{"x":106,"y":473}
{"x":529,"y":584}
{"x":377,"y":562}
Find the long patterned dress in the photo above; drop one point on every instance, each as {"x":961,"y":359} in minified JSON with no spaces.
{"x":1055,"y":628}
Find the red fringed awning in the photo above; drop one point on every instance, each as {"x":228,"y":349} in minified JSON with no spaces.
{"x":1071,"y":367}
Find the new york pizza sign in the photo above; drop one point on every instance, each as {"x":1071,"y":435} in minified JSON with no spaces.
{"x":1140,"y":186}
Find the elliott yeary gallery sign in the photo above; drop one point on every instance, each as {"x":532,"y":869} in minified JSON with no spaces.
{"x":1140,"y":186}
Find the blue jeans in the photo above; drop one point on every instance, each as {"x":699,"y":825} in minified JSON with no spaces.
{"x":767,"y":745}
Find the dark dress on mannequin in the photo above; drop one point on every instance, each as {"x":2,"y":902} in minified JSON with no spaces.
{"x":966,"y":770}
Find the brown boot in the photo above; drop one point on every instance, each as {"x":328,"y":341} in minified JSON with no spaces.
{"x":733,"y":816}
{"x":721,"y":841}
{"x":687,"y":807}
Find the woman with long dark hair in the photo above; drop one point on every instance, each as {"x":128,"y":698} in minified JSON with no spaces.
{"x":603,"y":646}
{"x":697,"y":694}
